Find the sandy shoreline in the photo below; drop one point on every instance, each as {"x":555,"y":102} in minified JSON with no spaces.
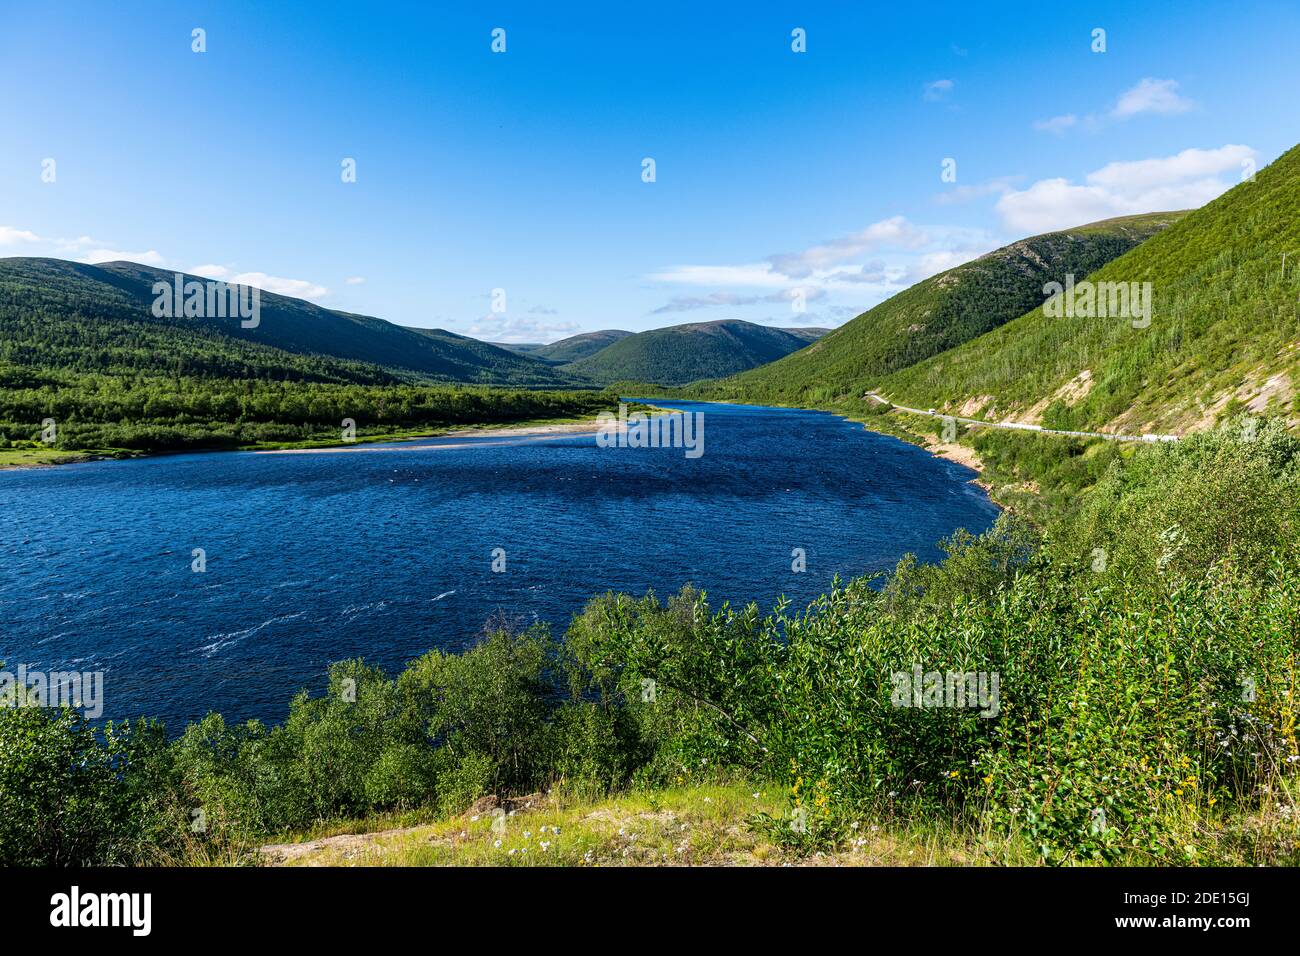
{"x":412,"y":443}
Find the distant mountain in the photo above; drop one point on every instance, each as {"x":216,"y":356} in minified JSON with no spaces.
{"x":941,"y":312}
{"x":577,"y":347}
{"x":78,"y":316}
{"x":811,"y":334}
{"x":686,"y":353}
{"x":524,"y":348}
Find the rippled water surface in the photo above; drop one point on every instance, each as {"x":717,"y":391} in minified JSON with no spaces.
{"x":382,"y":552}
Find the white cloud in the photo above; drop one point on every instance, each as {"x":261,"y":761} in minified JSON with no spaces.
{"x":355,"y":280}
{"x":11,"y":237}
{"x":1189,"y":164}
{"x":941,"y":260}
{"x":499,"y":327}
{"x":297,"y":288}
{"x":1057,"y":124}
{"x":896,"y":231}
{"x":1151,"y":96}
{"x":752,"y":275}
{"x":937,"y":90}
{"x":991,"y":187}
{"x":693,"y":302}
{"x":903,"y":253}
{"x":1183,"y":181}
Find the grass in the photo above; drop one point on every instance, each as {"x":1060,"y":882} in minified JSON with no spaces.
{"x":40,"y":457}
{"x":713,"y":825}
{"x":702,"y":825}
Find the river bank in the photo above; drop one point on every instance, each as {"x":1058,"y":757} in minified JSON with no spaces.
{"x":26,"y":458}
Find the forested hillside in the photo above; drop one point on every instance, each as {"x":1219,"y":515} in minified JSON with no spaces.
{"x":1223,"y":333}
{"x":79,"y":345}
{"x":56,"y":314}
{"x":939,"y":313}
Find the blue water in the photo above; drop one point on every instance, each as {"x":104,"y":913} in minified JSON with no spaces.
{"x":383,"y":552}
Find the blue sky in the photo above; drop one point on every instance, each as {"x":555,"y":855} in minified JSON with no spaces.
{"x":782,"y":179}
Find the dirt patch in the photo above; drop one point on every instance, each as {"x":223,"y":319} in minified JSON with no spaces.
{"x":1076,"y":389}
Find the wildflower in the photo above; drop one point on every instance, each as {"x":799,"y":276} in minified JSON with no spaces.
{"x":545,"y":846}
{"x":497,"y":844}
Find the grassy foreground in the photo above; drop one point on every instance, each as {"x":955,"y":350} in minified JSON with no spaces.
{"x":722,"y":824}
{"x":703,"y":825}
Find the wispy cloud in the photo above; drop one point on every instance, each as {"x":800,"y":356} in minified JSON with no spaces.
{"x":513,"y":329}
{"x":836,"y":269}
{"x":1057,"y":124}
{"x":753,"y":275}
{"x":896,"y":231}
{"x":713,"y":299}
{"x":1151,"y":96}
{"x":936,"y":90}
{"x":990,"y":187}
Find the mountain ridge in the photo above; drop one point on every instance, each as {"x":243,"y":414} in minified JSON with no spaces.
{"x":679,"y":354}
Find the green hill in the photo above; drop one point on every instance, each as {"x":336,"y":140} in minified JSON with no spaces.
{"x":686,"y":353}
{"x":79,"y":344}
{"x":940,"y":312}
{"x":296,"y":325}
{"x":1223,"y":333}
{"x":577,"y":347}
{"x":70,"y":315}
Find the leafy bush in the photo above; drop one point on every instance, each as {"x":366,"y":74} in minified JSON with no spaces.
{"x":70,"y":796}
